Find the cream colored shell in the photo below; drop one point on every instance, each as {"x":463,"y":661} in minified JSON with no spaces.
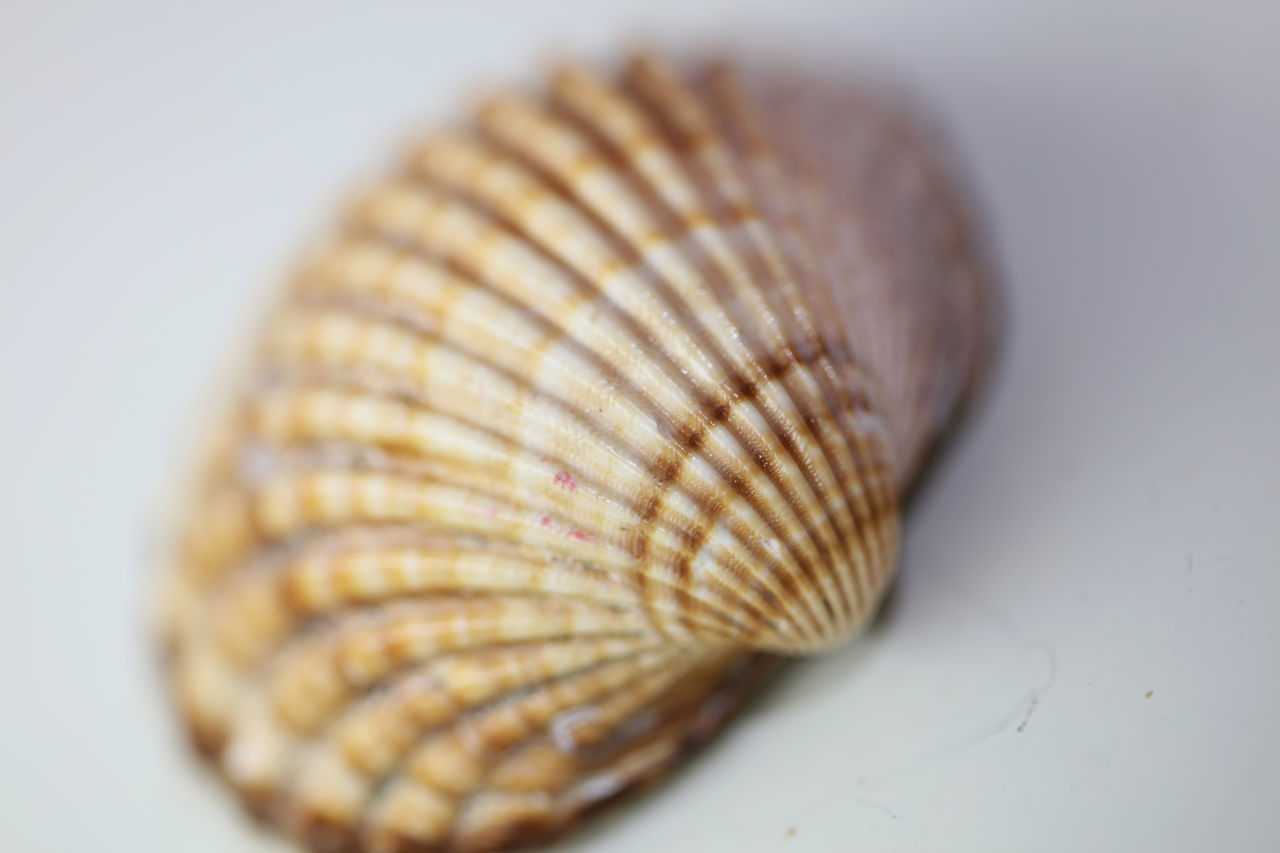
{"x":588,"y":412}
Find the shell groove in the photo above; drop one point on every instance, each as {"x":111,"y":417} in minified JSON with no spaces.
{"x":585,"y":415}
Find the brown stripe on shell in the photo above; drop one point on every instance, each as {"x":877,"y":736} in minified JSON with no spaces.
{"x":649,"y":238}
{"x":659,"y":390}
{"x":637,"y":140}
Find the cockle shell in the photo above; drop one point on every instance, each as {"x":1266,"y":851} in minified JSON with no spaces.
{"x":590,"y":412}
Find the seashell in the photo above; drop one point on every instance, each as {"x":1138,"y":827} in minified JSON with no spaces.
{"x":588,"y":415}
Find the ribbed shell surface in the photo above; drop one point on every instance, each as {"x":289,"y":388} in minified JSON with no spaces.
{"x":586,"y":414}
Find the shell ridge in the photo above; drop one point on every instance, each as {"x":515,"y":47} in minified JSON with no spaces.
{"x":705,"y":168}
{"x":609,"y":707}
{"x":545,"y":450}
{"x":616,"y":121}
{"x":817,"y":214}
{"x":606,"y":212}
{"x":606,"y":340}
{"x":335,"y":743}
{"x":650,"y":146}
{"x":609,"y":267}
{"x":712,"y":167}
{"x":417,"y":768}
{"x":758,"y":159}
{"x":300,"y":690}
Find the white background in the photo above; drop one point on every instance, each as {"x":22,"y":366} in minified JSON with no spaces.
{"x":1108,"y":529}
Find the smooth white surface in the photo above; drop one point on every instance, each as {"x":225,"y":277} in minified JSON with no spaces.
{"x":1108,"y":529}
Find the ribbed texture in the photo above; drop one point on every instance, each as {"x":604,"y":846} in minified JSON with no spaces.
{"x":586,"y":412}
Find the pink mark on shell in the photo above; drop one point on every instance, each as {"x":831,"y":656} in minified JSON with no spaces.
{"x":545,"y":522}
{"x":579,"y":535}
{"x":565,"y":480}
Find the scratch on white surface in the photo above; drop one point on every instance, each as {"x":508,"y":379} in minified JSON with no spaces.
{"x":1020,"y":714}
{"x":1017,"y":717}
{"x":843,"y":793}
{"x":1027,"y":705}
{"x":1033,"y":698}
{"x":881,"y":807}
{"x":1026,"y":718}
